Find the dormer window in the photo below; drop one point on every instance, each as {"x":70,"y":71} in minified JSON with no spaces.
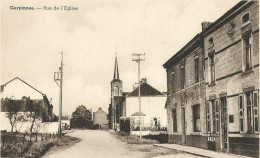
{"x":211,"y":43}
{"x":245,"y":18}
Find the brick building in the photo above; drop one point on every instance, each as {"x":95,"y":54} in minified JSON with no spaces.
{"x":216,"y":105}
{"x":186,"y":91}
{"x":232,"y":79}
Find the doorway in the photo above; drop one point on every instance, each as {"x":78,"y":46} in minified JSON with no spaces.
{"x":224,"y":123}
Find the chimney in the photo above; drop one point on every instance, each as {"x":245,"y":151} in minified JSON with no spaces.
{"x":205,"y":25}
{"x":144,"y":80}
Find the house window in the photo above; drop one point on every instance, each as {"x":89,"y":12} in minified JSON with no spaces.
{"x":174,"y":120}
{"x":252,"y":111}
{"x":241,"y":113}
{"x":249,"y":108}
{"x":247,"y":51}
{"x":197,"y":69}
{"x":215,"y":115}
{"x":245,"y":18}
{"x":212,"y":67}
{"x":212,"y":116}
{"x":196,"y":118}
{"x":173,"y":82}
{"x":182,"y":77}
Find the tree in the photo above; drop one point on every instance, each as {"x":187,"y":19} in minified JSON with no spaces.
{"x":21,"y":118}
{"x":81,"y":118}
{"x":34,"y":112}
{"x":11,"y":108}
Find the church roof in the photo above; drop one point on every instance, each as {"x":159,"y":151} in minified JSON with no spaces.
{"x":116,"y":71}
{"x":137,"y":114}
{"x":100,"y":111}
{"x":145,"y":90}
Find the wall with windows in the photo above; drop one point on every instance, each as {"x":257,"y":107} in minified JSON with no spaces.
{"x":232,"y":57}
{"x":236,"y":59}
{"x":185,"y":81}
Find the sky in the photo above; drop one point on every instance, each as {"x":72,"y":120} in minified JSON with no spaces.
{"x":90,"y":37}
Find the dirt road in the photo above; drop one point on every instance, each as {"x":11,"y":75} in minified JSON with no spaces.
{"x":102,"y":144}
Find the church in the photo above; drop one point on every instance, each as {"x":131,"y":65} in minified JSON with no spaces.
{"x":125,"y":106}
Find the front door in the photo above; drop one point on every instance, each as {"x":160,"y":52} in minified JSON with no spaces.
{"x":224,"y":123}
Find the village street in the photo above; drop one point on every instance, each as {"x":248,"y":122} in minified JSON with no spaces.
{"x":99,"y":144}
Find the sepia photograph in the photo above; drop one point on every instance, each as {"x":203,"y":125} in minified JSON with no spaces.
{"x":129,"y":79}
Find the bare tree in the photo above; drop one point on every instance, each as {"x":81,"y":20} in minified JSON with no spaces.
{"x":11,"y":108}
{"x":20,"y":119}
{"x":34,"y":112}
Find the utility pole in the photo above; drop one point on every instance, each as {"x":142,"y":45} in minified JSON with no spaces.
{"x":138,"y":58}
{"x":58,"y":78}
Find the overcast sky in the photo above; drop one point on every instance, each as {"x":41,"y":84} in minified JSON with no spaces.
{"x":31,"y":41}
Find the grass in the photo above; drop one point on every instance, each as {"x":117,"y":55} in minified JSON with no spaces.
{"x":145,"y":145}
{"x":134,"y":139}
{"x":35,"y":149}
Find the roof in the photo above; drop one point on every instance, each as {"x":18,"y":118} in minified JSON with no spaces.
{"x":2,"y":86}
{"x":194,"y":43}
{"x":145,"y":90}
{"x":137,"y":114}
{"x":100,"y":111}
{"x":125,"y":93}
{"x":225,"y":16}
{"x":198,"y":39}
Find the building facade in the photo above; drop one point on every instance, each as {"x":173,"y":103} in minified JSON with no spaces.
{"x":232,"y":80}
{"x":215,"y":105}
{"x":186,"y":91}
{"x":100,"y":117}
{"x":153,"y":115}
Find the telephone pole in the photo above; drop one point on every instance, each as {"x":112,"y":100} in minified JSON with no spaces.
{"x":138,"y":58}
{"x":58,"y":78}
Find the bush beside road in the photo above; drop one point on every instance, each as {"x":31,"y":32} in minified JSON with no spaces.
{"x":20,"y":147}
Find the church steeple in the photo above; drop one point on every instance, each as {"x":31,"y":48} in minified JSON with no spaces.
{"x":116,"y":72}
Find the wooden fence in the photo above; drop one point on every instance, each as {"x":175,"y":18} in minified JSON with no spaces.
{"x":26,"y":137}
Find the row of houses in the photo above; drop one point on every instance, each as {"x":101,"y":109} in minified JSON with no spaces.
{"x":213,"y":85}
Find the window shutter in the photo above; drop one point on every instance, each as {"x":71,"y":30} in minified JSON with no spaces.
{"x":241,"y":113}
{"x":207,"y":117}
{"x":217,"y":116}
{"x":256,"y":112}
